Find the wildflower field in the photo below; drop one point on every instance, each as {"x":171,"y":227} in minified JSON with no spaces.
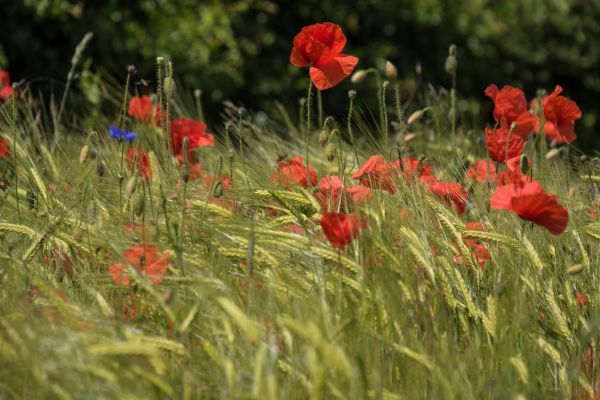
{"x":412,"y":251}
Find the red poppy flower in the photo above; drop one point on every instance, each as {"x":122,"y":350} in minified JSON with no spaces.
{"x":478,"y":250}
{"x":321,"y":46}
{"x":496,"y":142}
{"x":145,"y":259}
{"x":6,"y":89}
{"x":482,"y":170}
{"x":580,"y":298}
{"x":225,"y":180}
{"x":411,"y":167}
{"x":137,"y":160}
{"x":452,"y":193}
{"x":529,"y":201}
{"x":340,"y":228}
{"x":512,"y":173}
{"x":359,"y":194}
{"x":142,"y":108}
{"x":195,"y":131}
{"x":4,"y":148}
{"x":293,"y":172}
{"x":330,"y":192}
{"x":560,"y":115}
{"x":376,"y":173}
{"x":510,"y":105}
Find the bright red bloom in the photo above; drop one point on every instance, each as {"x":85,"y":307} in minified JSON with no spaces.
{"x":137,"y":160}
{"x":6,"y":89}
{"x":293,"y":172}
{"x":496,"y":141}
{"x":529,"y":201}
{"x":145,"y":259}
{"x":225,"y":180}
{"x":452,"y":193}
{"x":194,"y":130}
{"x":482,"y":170}
{"x":359,"y":194}
{"x":510,"y":105}
{"x":330,"y":192}
{"x":560,"y":115}
{"x":376,"y":173}
{"x":580,"y":298}
{"x":479,"y":251}
{"x":410,"y":167}
{"x":142,"y":108}
{"x":4,"y":148}
{"x":340,"y":228}
{"x":321,"y":46}
{"x":512,"y":173}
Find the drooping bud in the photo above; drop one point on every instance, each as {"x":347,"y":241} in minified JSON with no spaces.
{"x":131,"y":186}
{"x":359,"y":76}
{"x":328,"y":121}
{"x":524,"y":164}
{"x":323,"y":137}
{"x":330,"y":151}
{"x":83,"y":154}
{"x":138,"y":203}
{"x":451,"y":63}
{"x":552,"y":153}
{"x":575,"y":269}
{"x":351,"y":94}
{"x":391,"y":73}
{"x":414,"y":117}
{"x":218,"y":192}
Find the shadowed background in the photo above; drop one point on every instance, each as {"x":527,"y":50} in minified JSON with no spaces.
{"x":239,"y":50}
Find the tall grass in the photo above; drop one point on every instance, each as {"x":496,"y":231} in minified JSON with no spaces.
{"x":251,"y":310}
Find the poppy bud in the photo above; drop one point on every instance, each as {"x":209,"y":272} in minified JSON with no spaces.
{"x":197,"y":93}
{"x":138,"y":203}
{"x":391,"y":73}
{"x":131,"y":186}
{"x":385,"y":84}
{"x":418,"y":68}
{"x":359,"y":76}
{"x":414,"y":117}
{"x":451,"y":65}
{"x":160,"y":60}
{"x":409,"y":136}
{"x":452,"y":50}
{"x":513,"y":126}
{"x":351,"y":94}
{"x":131,"y":70}
{"x":575,"y":269}
{"x":218,"y":192}
{"x":302,"y":101}
{"x":524,"y":164}
{"x":552,"y":153}
{"x":83,"y":154}
{"x":169,"y":86}
{"x":330,"y":152}
{"x":100,"y":169}
{"x":185,"y":173}
{"x":323,"y":137}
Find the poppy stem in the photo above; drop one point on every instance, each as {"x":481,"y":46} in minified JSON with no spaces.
{"x":351,"y":96}
{"x":320,"y":107}
{"x":384,"y":113}
{"x":308,"y":106}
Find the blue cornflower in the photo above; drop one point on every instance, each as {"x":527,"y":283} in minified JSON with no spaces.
{"x":121,"y":134}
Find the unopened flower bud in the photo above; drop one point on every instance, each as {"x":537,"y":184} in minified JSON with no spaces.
{"x":83,"y":154}
{"x":391,"y":73}
{"x":323,"y":137}
{"x":524,"y":164}
{"x":513,"y":126}
{"x":160,"y":60}
{"x":575,"y":269}
{"x":169,"y":86}
{"x":385,"y":84}
{"x":452,"y":50}
{"x":330,"y":152}
{"x":414,"y":117}
{"x":218,"y":192}
{"x":351,"y":94}
{"x":451,"y":65}
{"x":138,"y":204}
{"x":131,"y":70}
{"x":131,"y":186}
{"x":100,"y":169}
{"x":197,"y":93}
{"x":359,"y":76}
{"x":552,"y":153}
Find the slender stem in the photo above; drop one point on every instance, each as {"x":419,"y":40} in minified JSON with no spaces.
{"x":453,"y":112}
{"x":398,"y":102}
{"x":159,"y":91}
{"x":350,"y":132}
{"x":169,"y":94}
{"x":385,"y":117}
{"x":308,"y":105}
{"x":320,"y":107}
{"x":14,"y":155}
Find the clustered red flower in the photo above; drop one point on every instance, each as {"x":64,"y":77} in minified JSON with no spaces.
{"x":340,"y":228}
{"x":6,"y":89}
{"x":144,"y":110}
{"x":146,"y":259}
{"x":137,"y":161}
{"x":293,"y":172}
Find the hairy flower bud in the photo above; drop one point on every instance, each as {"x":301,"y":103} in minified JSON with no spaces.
{"x":138,"y":204}
{"x":218,"y":191}
{"x":330,"y":152}
{"x":359,"y":76}
{"x":351,"y":94}
{"x":83,"y":154}
{"x":323,"y":137}
{"x":169,"y":86}
{"x":552,"y":153}
{"x":414,"y":117}
{"x":391,"y":73}
{"x":524,"y":164}
{"x":131,"y":186}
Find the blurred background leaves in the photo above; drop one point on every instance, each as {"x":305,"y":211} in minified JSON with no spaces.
{"x":239,"y":49}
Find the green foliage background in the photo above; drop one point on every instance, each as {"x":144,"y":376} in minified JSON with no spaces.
{"x":239,"y":49}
